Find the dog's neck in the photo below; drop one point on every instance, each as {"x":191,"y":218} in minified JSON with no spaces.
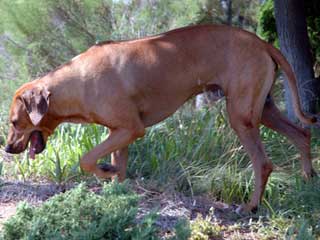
{"x":66,"y":101}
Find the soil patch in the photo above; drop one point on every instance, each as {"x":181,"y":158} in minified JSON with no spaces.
{"x":14,"y":192}
{"x":6,"y":211}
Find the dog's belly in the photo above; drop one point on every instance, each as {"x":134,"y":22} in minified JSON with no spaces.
{"x":159,"y":112}
{"x":158,"y":107}
{"x":155,"y":107}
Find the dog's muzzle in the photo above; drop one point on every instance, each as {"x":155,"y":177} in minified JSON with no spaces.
{"x":37,"y":145}
{"x":8,"y":149}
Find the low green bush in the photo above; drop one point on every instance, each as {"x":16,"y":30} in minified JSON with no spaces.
{"x":82,"y":214}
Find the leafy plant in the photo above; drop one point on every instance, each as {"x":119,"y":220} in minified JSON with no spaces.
{"x":205,"y":229}
{"x":82,"y":214}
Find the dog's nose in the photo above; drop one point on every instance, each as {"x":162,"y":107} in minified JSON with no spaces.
{"x":8,"y":149}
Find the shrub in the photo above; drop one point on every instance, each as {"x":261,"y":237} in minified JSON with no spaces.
{"x":82,"y":214}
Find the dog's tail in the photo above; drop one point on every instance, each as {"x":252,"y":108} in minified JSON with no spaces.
{"x":283,"y":63}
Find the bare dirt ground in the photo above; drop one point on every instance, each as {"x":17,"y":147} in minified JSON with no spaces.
{"x":6,"y":211}
{"x":14,"y":192}
{"x":172,"y":206}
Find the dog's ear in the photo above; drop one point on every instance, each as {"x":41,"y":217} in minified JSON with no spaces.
{"x":36,"y":101}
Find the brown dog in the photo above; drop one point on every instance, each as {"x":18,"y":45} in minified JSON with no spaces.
{"x":130,"y":85}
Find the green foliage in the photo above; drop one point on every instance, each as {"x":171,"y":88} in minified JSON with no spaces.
{"x":182,"y":230}
{"x":43,"y":34}
{"x":8,"y":87}
{"x":303,"y":202}
{"x":138,"y":20}
{"x":313,"y":22}
{"x":267,"y":25}
{"x":294,"y":211}
{"x":187,"y":149}
{"x":81,"y":214}
{"x":243,"y":14}
{"x":205,"y":229}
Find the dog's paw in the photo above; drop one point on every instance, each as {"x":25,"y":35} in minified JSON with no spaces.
{"x":245,"y":209}
{"x":108,"y":168}
{"x":313,"y":174}
{"x":308,"y":176}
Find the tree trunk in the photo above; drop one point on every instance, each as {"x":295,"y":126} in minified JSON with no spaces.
{"x":229,"y":12}
{"x":294,"y":44}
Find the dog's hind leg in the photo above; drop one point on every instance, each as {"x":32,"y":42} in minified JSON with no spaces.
{"x":275,"y":120}
{"x":246,"y":125}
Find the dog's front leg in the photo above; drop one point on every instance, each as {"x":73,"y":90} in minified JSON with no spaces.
{"x":118,"y":138}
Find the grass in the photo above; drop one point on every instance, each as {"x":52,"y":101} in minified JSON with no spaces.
{"x":194,"y":152}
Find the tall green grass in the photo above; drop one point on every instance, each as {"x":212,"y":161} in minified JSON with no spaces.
{"x":60,"y":160}
{"x":194,"y":151}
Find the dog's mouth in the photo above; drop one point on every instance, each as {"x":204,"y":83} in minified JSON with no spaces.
{"x":37,"y":144}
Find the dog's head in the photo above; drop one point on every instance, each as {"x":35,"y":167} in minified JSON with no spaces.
{"x":28,"y":109}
